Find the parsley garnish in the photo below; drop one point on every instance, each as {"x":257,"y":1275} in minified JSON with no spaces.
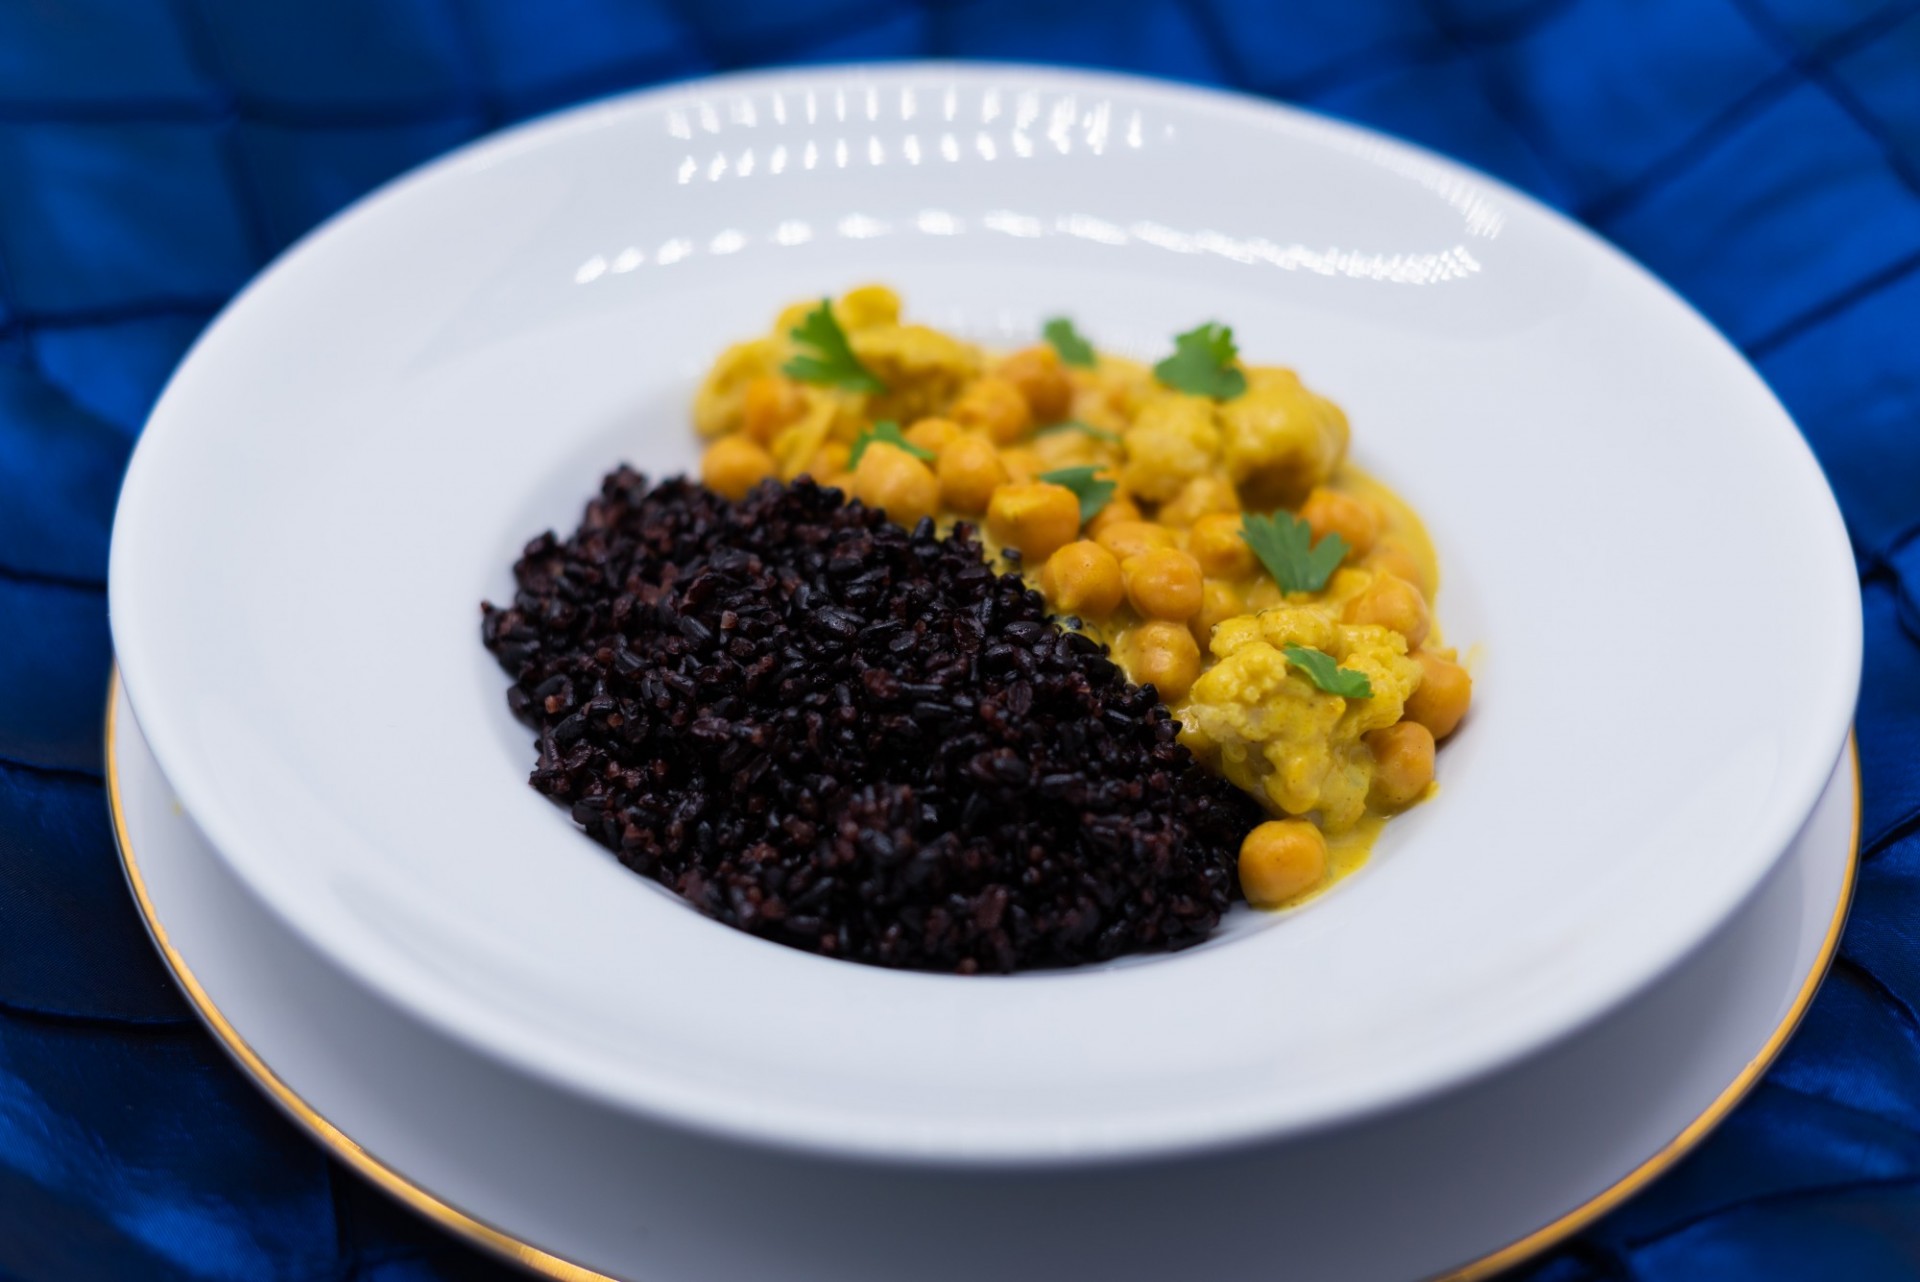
{"x":1285,"y":545}
{"x":885,"y":432}
{"x":1075,"y":425}
{"x":1202,"y":363}
{"x":1093,"y":494}
{"x":1328,"y":675}
{"x":1066,"y":340}
{"x":832,"y":362}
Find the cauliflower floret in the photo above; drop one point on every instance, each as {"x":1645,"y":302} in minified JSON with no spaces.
{"x":1264,"y":725}
{"x":862,"y":308}
{"x":868,"y":307}
{"x":1173,"y":439}
{"x":1108,"y":394}
{"x":1266,"y":728}
{"x":922,"y":368}
{"x":1202,"y":496}
{"x":1279,"y":439}
{"x":1281,"y":626}
{"x":717,"y":405}
{"x":1071,"y":449}
{"x":796,"y":444}
{"x":1381,"y":653}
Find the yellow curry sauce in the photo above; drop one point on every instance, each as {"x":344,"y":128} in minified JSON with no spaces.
{"x":1162,"y":571}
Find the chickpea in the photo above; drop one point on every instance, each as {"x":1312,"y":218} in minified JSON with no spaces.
{"x":1218,"y":602}
{"x":933,"y":434}
{"x":769,"y":404}
{"x":889,"y":478}
{"x":733,"y":465}
{"x":1036,"y":517}
{"x":1218,"y":545}
{"x":994,"y":406}
{"x":1403,"y":764}
{"x":1392,"y":603}
{"x":1130,"y":538}
{"x":1442,"y":696}
{"x":1280,"y":859}
{"x":1037,"y":372}
{"x":1119,"y":508}
{"x":1353,"y":519}
{"x":1164,"y":584}
{"x":1082,"y":578}
{"x":1163,"y":655}
{"x":970,"y":471}
{"x":1398,"y":560}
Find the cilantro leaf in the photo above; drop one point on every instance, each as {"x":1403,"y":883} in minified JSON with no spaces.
{"x":1075,"y":425}
{"x":1328,"y":675}
{"x":1285,"y":545}
{"x":886,"y":431}
{"x":1203,"y":363}
{"x":1066,"y":340}
{"x":831,"y":362}
{"x":1093,"y":494}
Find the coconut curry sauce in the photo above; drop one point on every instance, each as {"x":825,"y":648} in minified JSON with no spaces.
{"x":1197,"y":515}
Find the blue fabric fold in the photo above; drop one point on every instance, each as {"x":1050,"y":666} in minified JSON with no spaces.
{"x":60,"y":471}
{"x":52,"y":684}
{"x":72,"y":947}
{"x":1761,"y":155}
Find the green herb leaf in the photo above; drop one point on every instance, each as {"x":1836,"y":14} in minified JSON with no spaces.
{"x":1328,"y":675}
{"x":1285,"y":545}
{"x":888,"y":432}
{"x":831,"y":362}
{"x":1093,"y":494}
{"x":1066,"y":340}
{"x":1075,"y":425}
{"x":1203,"y":363}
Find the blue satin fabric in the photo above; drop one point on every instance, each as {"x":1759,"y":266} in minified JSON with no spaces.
{"x":1761,"y":155}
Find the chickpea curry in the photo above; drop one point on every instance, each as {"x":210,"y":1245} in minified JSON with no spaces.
{"x":1198,"y":515}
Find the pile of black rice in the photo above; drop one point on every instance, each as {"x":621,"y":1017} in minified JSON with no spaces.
{"x":852,"y":738}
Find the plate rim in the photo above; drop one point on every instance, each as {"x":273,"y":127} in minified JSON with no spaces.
{"x":492,"y":148}
{"x":477,"y":1231}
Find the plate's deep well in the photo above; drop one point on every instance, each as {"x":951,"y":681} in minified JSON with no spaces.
{"x":356,"y":449}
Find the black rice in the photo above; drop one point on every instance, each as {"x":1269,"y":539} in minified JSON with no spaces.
{"x":853,"y":738}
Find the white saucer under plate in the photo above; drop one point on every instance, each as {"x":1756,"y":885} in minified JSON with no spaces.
{"x":1461,"y":1185}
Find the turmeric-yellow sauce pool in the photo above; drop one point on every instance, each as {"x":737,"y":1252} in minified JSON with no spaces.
{"x":1199,"y":516}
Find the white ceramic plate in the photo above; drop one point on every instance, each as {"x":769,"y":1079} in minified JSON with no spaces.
{"x":556,"y":1181}
{"x":1632,"y":531}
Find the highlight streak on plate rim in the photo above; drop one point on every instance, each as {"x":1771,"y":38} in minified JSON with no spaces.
{"x":343,"y":1147}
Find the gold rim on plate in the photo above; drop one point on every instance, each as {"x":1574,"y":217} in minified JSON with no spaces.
{"x":547,"y":1264}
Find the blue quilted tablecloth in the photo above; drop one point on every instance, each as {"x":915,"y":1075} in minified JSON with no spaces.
{"x":1763,"y":156}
